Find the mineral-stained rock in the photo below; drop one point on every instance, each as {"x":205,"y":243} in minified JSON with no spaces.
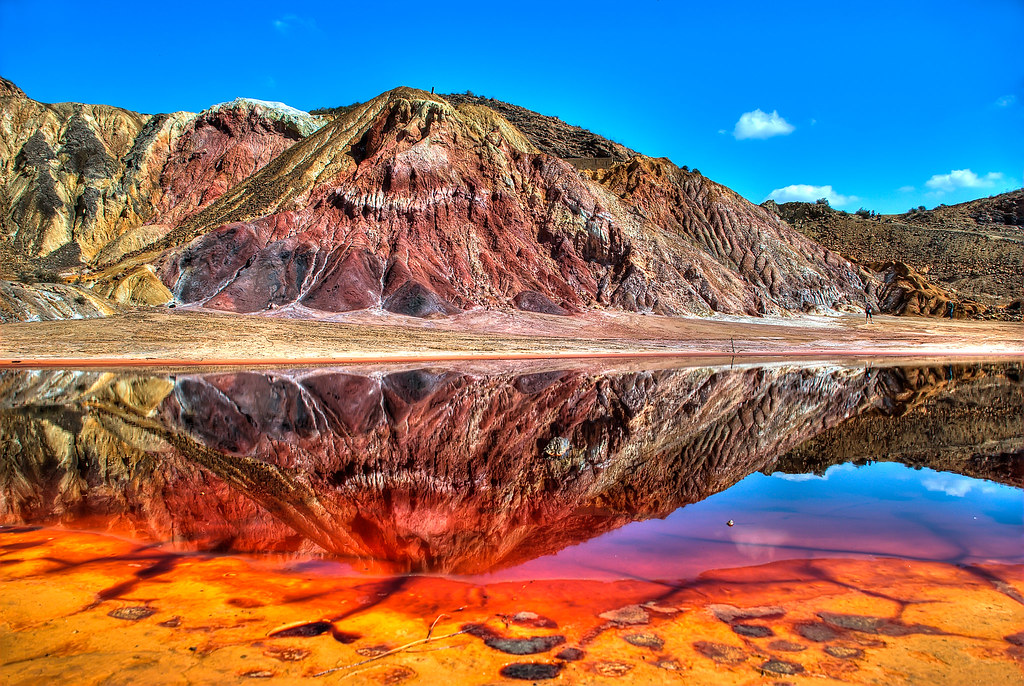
{"x":412,"y":203}
{"x":905,"y":291}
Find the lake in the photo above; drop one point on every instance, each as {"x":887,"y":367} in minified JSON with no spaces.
{"x":570,"y":522}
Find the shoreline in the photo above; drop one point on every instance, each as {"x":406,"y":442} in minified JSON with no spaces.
{"x":158,"y":338}
{"x":822,"y":355}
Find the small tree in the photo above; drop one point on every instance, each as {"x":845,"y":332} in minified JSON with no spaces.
{"x":863,"y":213}
{"x":822,"y":201}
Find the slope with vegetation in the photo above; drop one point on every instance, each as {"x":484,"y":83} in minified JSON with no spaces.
{"x":969,"y":254}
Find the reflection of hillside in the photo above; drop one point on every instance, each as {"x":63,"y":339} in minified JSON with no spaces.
{"x":427,"y":470}
{"x":954,"y":419}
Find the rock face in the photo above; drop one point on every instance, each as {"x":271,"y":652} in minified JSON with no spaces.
{"x":965,"y":253}
{"x":432,"y":469}
{"x":410,"y":203}
{"x":49,"y":301}
{"x":904,"y":291}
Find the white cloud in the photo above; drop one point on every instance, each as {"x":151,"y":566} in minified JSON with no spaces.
{"x":758,"y":124}
{"x":906,"y":189}
{"x":962,"y":178}
{"x":804,"y":193}
{"x":1006,"y":101}
{"x":291,"y":22}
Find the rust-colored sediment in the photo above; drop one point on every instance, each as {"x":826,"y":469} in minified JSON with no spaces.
{"x":108,"y":610}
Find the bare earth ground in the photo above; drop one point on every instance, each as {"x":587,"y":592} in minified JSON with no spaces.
{"x":151,"y":336}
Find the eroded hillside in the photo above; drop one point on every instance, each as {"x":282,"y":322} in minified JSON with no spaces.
{"x":409,"y":203}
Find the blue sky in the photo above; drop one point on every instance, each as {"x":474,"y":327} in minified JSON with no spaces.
{"x":886,"y":105}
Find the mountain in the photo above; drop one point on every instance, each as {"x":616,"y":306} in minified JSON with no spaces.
{"x":969,"y":254}
{"x":410,"y":203}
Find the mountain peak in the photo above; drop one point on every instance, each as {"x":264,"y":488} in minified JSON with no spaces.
{"x":9,"y":90}
{"x":303,"y":123}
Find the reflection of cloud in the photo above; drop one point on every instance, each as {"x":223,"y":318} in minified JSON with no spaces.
{"x":956,"y":485}
{"x":758,"y":124}
{"x":799,"y":477}
{"x":756,"y":543}
{"x":844,"y":467}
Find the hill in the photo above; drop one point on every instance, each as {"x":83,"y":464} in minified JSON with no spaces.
{"x":972,"y":250}
{"x":409,"y":203}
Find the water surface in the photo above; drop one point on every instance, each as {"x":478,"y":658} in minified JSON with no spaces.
{"x":470,"y":490}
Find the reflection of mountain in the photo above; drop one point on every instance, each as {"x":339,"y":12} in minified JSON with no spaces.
{"x":944,"y":418}
{"x":418,"y":470}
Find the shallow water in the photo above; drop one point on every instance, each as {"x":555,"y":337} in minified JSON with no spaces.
{"x":877,"y":509}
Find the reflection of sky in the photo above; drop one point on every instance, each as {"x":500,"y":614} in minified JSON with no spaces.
{"x":881,"y":509}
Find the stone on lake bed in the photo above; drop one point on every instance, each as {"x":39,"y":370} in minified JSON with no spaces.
{"x":630,"y":614}
{"x":132,"y":614}
{"x":731,"y":613}
{"x":781,"y":667}
{"x":752,"y":630}
{"x":843,"y":652}
{"x":645,"y":640}
{"x":529,"y":671}
{"x":612,"y":668}
{"x":524,"y":646}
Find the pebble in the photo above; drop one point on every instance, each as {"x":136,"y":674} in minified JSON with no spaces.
{"x":781,"y":667}
{"x":630,"y":614}
{"x":528,"y":671}
{"x":645,"y":640}
{"x":132,"y":614}
{"x":844,"y":652}
{"x":752,"y":630}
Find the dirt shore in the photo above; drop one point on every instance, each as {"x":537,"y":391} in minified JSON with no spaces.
{"x":162,"y":337}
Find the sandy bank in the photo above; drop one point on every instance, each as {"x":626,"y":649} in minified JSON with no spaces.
{"x":161,"y":337}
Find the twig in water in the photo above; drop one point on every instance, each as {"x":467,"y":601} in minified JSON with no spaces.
{"x":399,"y":649}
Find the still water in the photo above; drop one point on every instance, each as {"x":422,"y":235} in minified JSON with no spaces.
{"x":493,"y":523}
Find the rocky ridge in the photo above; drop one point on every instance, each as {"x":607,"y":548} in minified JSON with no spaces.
{"x":549,"y":134}
{"x":409,"y":203}
{"x":967,"y":254}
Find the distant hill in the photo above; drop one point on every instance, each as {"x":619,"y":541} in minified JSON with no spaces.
{"x":974,"y":250}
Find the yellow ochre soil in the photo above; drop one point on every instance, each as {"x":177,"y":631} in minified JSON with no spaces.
{"x":90,"y":608}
